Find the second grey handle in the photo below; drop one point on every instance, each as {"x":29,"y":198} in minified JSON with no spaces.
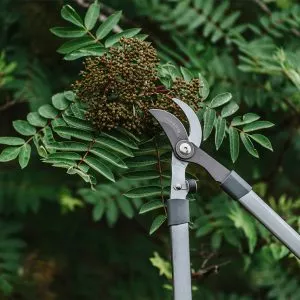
{"x":272,"y":221}
{"x":240,"y":190}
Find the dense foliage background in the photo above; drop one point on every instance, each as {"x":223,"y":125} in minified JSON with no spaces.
{"x":59,"y":239}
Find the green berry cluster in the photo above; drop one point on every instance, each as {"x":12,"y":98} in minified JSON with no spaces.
{"x":122,"y":85}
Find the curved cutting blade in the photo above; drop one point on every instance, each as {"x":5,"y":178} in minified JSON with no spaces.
{"x":195,"y":126}
{"x":173,"y":128}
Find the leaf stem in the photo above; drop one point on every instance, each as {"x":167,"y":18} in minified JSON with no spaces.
{"x":160,"y":175}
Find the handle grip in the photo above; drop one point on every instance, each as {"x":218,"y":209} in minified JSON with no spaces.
{"x":240,"y":190}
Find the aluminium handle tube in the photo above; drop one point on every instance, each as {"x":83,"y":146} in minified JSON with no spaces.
{"x":178,"y":221}
{"x":240,"y":190}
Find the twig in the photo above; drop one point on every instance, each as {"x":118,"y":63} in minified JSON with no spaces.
{"x":204,"y":272}
{"x":263,"y":6}
{"x":8,"y":104}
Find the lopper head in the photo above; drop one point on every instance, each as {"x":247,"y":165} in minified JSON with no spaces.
{"x":186,"y":147}
{"x":179,"y":139}
{"x":174,"y":129}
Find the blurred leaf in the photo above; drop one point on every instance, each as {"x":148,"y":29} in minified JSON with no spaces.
{"x":157,"y":223}
{"x":151,"y":205}
{"x":145,"y":191}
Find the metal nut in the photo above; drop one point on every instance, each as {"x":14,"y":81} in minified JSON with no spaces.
{"x":185,"y":148}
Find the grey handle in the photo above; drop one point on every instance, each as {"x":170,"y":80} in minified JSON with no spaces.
{"x":272,"y":221}
{"x":240,"y":190}
{"x":182,"y":287}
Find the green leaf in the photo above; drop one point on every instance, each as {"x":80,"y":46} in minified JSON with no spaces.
{"x":125,"y":207}
{"x":11,"y":141}
{"x":141,"y":161}
{"x":245,"y":222}
{"x":129,"y":33}
{"x":257,"y":126}
{"x":111,"y":212}
{"x":186,"y":73}
{"x":229,"y":109}
{"x":250,"y":117}
{"x":9,"y":153}
{"x":24,"y":128}
{"x":234,"y":143}
{"x":109,"y":156}
{"x":68,"y":32}
{"x":69,"y":14}
{"x":69,"y":95}
{"x":158,"y":221}
{"x":121,"y":138}
{"x":73,"y":132}
{"x":98,"y":166}
{"x":65,"y":155}
{"x":216,"y":240}
{"x":113,"y":145}
{"x":98,"y":210}
{"x":68,"y":146}
{"x":248,"y":144}
{"x":92,"y":15}
{"x":149,"y":206}
{"x":204,"y":87}
{"x":204,"y":230}
{"x":220,"y":100}
{"x":209,"y":121}
{"x":92,"y":50}
{"x":142,"y":175}
{"x":262,"y":140}
{"x":75,"y":44}
{"x":60,"y":102}
{"x":220,"y":132}
{"x":78,"y":123}
{"x":36,"y":120}
{"x":48,"y":111}
{"x":24,"y":156}
{"x":83,"y":175}
{"x":230,"y":20}
{"x":145,"y":191}
{"x":105,"y":28}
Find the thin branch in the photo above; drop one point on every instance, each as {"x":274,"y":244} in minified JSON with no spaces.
{"x":7,"y":105}
{"x":160,"y":175}
{"x":263,"y":6}
{"x":212,"y":269}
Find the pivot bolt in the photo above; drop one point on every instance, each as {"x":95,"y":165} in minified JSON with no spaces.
{"x":185,"y":148}
{"x":178,"y":187}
